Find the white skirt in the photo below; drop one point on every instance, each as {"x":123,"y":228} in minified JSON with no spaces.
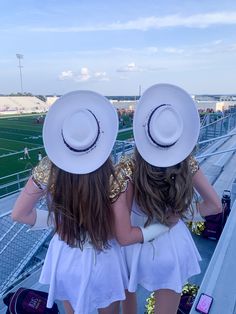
{"x":88,"y":279}
{"x":165,"y":263}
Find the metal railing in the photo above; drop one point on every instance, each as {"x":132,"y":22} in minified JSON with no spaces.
{"x":212,"y":132}
{"x":14,"y":182}
{"x":218,"y":128}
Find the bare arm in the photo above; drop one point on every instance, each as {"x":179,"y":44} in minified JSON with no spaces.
{"x":211,"y":203}
{"x":124,"y":232}
{"x":23,"y":210}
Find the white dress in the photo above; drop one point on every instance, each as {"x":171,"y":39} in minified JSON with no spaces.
{"x":165,"y":263}
{"x":88,"y":279}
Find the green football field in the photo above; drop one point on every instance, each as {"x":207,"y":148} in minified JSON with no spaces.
{"x":17,"y":132}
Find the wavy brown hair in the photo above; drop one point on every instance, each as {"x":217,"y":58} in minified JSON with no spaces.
{"x":162,"y":191}
{"x":81,"y":206}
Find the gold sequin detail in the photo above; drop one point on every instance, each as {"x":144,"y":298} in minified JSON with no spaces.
{"x":41,"y":172}
{"x":123,"y":174}
{"x":193,"y":165}
{"x":188,"y":289}
{"x":196,"y":227}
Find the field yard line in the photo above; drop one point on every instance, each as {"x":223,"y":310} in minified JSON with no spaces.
{"x":10,"y":150}
{"x":40,"y":133}
{"x":38,"y":145}
{"x":20,"y":125}
{"x":22,"y":116}
{"x":26,"y":124}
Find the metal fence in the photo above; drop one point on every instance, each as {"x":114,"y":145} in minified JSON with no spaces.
{"x":208,"y":133}
{"x":14,"y":182}
{"x":218,"y":128}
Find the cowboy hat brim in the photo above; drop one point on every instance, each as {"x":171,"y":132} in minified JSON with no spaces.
{"x":67,"y":105}
{"x":153,"y":97}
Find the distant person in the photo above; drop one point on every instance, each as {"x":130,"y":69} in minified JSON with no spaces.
{"x":39,"y":156}
{"x":26,"y":153}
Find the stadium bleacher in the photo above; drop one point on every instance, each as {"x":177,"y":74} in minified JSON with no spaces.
{"x":21,"y":104}
{"x":18,"y":246}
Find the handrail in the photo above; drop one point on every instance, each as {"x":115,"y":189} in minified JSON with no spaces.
{"x":26,"y":177}
{"x":126,"y":146}
{"x":216,"y":138}
{"x":219,"y":120}
{"x":41,"y":147}
{"x":14,"y":174}
{"x":216,"y":153}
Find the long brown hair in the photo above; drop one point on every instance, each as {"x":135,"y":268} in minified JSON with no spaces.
{"x":81,"y":205}
{"x":162,"y":191}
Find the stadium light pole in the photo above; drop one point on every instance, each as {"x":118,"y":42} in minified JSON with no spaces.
{"x":140,"y":90}
{"x":20,"y":57}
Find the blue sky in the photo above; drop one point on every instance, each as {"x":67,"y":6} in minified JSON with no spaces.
{"x":112,"y":47}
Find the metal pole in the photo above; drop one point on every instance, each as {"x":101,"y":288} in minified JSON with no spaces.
{"x":19,"y":57}
{"x":140,"y":90}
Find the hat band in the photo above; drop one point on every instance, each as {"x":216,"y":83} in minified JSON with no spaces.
{"x":90,"y":146}
{"x":149,"y":133}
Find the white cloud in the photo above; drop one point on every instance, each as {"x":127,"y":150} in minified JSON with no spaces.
{"x":152,"y":22}
{"x":194,"y":21}
{"x":102,"y":76}
{"x":66,"y":75}
{"x":131,"y":67}
{"x":84,"y":75}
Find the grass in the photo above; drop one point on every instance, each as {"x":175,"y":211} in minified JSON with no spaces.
{"x":17,"y":132}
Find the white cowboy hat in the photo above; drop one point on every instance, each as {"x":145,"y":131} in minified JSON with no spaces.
{"x":166,"y":125}
{"x":79,"y":131}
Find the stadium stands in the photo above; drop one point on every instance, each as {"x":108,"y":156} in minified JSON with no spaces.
{"x":21,"y":104}
{"x":18,"y":246}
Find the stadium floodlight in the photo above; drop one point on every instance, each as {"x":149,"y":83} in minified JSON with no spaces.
{"x":20,"y":57}
{"x":140,"y":91}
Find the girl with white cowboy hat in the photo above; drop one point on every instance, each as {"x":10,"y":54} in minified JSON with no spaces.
{"x":158,"y":187}
{"x":84,"y":265}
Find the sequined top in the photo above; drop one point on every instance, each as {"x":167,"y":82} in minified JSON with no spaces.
{"x":41,"y":172}
{"x":193,"y":165}
{"x":124,"y":173}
